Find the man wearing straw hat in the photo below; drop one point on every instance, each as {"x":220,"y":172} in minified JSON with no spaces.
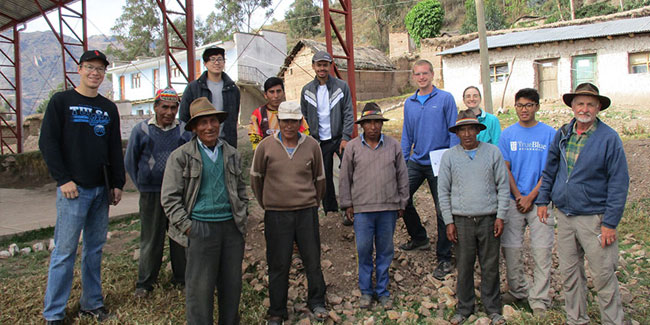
{"x":288,"y":180}
{"x":474,"y":192}
{"x":204,"y":196}
{"x":373,"y":189}
{"x":586,"y":178}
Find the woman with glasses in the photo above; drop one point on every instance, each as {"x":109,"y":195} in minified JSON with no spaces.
{"x":472,"y":99}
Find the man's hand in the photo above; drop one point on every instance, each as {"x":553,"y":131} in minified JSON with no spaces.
{"x":607,"y":236}
{"x":498,"y":227}
{"x":542,"y":213}
{"x":452,"y":234}
{"x":69,"y":190}
{"x":525,"y":203}
{"x":349,"y":214}
{"x":117,"y":196}
{"x":342,"y":146}
{"x":400,"y":213}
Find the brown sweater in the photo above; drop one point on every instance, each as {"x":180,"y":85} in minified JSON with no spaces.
{"x":282,"y":182}
{"x":373,"y":179}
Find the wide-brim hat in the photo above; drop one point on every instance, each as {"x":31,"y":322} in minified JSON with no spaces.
{"x":587,"y":89}
{"x":289,"y":111}
{"x":202,"y":107}
{"x":371,"y":111}
{"x":467,"y":117}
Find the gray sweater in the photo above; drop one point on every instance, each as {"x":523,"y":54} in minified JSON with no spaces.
{"x":473,"y":187}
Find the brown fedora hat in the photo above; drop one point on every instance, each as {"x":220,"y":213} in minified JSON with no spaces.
{"x":466,"y":117}
{"x":371,"y":112}
{"x":202,"y":107}
{"x":587,"y":89}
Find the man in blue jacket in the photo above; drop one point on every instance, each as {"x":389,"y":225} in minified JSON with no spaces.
{"x":586,"y":177}
{"x":151,"y":142}
{"x":220,"y":90}
{"x":428,"y":115}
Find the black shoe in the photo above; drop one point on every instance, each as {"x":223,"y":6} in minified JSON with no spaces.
{"x":55,"y":322}
{"x":100,"y":314}
{"x":412,"y":245}
{"x":442,"y":269}
{"x":346,"y":222}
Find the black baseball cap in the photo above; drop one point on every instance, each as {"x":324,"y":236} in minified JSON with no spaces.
{"x":321,"y":56}
{"x":93,"y":55}
{"x":213,"y":50}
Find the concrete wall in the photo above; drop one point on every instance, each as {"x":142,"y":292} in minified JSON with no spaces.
{"x":369,"y":84}
{"x":613,"y":77}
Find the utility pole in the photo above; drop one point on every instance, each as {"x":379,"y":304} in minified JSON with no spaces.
{"x":485,"y":62}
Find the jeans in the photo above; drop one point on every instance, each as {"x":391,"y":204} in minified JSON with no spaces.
{"x":374,"y":229}
{"x":281,"y":229}
{"x":88,"y":212}
{"x":417,"y":174}
{"x":214,"y":258}
{"x":329,"y":149}
{"x":153,"y":226}
{"x":476,"y":237}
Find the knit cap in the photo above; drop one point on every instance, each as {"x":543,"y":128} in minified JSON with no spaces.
{"x":168,"y":94}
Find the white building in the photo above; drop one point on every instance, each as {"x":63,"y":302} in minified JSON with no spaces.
{"x":250,"y":60}
{"x":614,"y":55}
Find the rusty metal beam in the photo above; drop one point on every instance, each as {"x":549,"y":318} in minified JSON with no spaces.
{"x":187,"y":42}
{"x":347,"y":44}
{"x":15,"y":108}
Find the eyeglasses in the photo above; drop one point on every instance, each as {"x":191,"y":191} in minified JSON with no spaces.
{"x":92,"y":68}
{"x":216,"y":60}
{"x":528,"y":106}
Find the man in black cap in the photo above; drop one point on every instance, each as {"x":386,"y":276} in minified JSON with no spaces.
{"x":220,"y":90}
{"x":587,"y":179}
{"x":326,"y":104}
{"x":81,"y":145}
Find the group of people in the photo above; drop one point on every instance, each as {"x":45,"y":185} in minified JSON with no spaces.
{"x":487,"y":186}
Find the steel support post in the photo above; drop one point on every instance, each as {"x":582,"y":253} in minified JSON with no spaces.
{"x":187,"y":41}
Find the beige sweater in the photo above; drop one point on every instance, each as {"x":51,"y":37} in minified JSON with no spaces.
{"x":283,"y":182}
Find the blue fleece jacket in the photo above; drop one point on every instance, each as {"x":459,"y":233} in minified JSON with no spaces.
{"x":426,"y":126}
{"x":147,"y":153}
{"x":599,"y":181}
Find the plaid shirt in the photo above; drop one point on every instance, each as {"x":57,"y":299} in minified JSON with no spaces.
{"x":575,"y":144}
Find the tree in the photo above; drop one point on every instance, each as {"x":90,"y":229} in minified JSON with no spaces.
{"x":384,"y":14}
{"x":424,"y":20}
{"x":303,"y":19}
{"x":494,"y":19}
{"x":235,"y":15}
{"x":137,"y":30}
{"x":43,"y":105}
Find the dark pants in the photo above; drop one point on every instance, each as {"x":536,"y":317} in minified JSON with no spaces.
{"x":281,"y":229}
{"x":329,"y":149}
{"x":153,"y":226}
{"x":214,"y":259}
{"x":417,"y":175}
{"x":476,"y":235}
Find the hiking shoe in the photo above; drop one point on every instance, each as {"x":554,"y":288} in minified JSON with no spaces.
{"x":497,"y":319}
{"x":457,"y":319}
{"x":509,"y":299}
{"x":141,"y":293}
{"x":442,"y":269}
{"x":365,"y":301}
{"x":386,"y":302}
{"x":100,"y":314}
{"x":346,"y":222}
{"x":412,"y":245}
{"x":274,"y":320}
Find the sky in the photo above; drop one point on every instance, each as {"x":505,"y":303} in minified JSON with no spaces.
{"x":101,"y":17}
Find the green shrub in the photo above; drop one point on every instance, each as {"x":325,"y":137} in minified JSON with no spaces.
{"x":596,"y":9}
{"x":424,"y":20}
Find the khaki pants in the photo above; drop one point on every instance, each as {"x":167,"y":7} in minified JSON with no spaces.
{"x":578,"y":237}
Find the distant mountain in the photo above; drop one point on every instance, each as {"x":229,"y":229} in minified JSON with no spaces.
{"x":41,"y":67}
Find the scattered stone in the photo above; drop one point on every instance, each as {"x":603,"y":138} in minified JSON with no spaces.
{"x":334,"y":317}
{"x":482,"y":321}
{"x":348,"y":305}
{"x":398,"y":277}
{"x":634,"y":322}
{"x":472,"y":318}
{"x":325,"y":248}
{"x":626,"y":296}
{"x":25,"y":250}
{"x":446,"y":291}
{"x":369,"y":321}
{"x":258,"y":287}
{"x":356,"y":293}
{"x":4,"y":254}
{"x":38,"y":247}
{"x":392,"y":315}
{"x":326,"y":264}
{"x":109,"y":235}
{"x":304,"y":321}
{"x":509,"y":312}
{"x":428,"y":305}
{"x":50,"y":245}
{"x":13,"y":249}
{"x":266,"y":302}
{"x":424,"y":311}
{"x":334,"y":299}
{"x":136,"y":254}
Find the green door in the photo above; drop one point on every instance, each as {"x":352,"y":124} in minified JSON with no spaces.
{"x":584,"y":69}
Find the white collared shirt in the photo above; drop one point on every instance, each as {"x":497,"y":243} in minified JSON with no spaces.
{"x":213,"y":155}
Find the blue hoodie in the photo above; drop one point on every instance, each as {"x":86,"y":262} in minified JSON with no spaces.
{"x":426,"y":126}
{"x":599,"y":180}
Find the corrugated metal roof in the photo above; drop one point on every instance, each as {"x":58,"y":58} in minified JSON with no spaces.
{"x":604,"y":29}
{"x":24,"y":10}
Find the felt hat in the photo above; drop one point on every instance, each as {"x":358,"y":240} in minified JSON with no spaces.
{"x":466,"y":117}
{"x":371,"y":111}
{"x":587,"y":89}
{"x":202,"y":107}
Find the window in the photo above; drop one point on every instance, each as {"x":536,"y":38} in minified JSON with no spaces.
{"x":135,"y":80}
{"x":639,"y":62}
{"x":498,"y":72}
{"x":175,"y":72}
